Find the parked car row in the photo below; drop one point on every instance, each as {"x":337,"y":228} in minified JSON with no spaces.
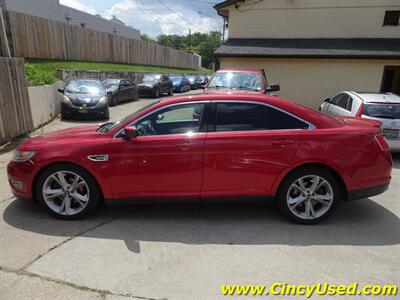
{"x":89,"y":98}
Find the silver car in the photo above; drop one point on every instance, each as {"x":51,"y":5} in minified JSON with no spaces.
{"x":384,"y":107}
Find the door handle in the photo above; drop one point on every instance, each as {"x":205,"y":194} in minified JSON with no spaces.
{"x":185,"y":146}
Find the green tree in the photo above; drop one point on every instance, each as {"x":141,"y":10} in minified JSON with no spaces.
{"x":145,"y":37}
{"x":204,"y":44}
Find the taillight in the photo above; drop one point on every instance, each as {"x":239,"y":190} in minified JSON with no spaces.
{"x":380,"y":139}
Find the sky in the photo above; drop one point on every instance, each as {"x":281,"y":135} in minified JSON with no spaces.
{"x":155,"y":17}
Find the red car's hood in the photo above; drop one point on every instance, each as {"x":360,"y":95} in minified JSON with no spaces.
{"x":229,"y":91}
{"x":75,"y":133}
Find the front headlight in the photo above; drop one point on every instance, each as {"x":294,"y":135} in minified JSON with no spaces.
{"x":21,"y":156}
{"x":103,"y":101}
{"x":66,"y":100}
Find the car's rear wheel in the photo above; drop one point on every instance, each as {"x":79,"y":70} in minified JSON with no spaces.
{"x":67,"y":192}
{"x":114,"y":100}
{"x":309,"y":195}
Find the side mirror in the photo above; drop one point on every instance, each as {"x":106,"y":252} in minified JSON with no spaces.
{"x":327,"y":100}
{"x":130,"y":132}
{"x":273,"y":88}
{"x":60,"y":91}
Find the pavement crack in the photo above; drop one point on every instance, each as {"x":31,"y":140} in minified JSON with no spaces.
{"x":101,"y":293}
{"x":7,"y":199}
{"x":70,"y":239}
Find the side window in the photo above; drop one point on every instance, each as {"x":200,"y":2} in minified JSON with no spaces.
{"x":277,"y":120}
{"x":128,"y":83}
{"x":342,"y":100}
{"x":179,"y":119}
{"x":349,"y":103}
{"x":240,"y":117}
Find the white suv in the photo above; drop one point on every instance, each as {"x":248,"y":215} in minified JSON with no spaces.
{"x":384,"y":107}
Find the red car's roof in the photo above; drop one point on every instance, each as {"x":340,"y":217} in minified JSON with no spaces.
{"x":316,"y":118}
{"x":241,"y":70}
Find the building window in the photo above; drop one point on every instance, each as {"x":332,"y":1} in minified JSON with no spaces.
{"x":391,"y":18}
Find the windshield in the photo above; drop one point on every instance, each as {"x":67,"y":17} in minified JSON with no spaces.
{"x":151,"y":78}
{"x":236,"y":80}
{"x":92,"y":87}
{"x":384,"y":111}
{"x":176,"y":79}
{"x":111,"y":126}
{"x":110,"y":83}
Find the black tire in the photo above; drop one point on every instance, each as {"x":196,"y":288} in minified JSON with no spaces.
{"x":114,"y":100}
{"x":157,"y":93}
{"x":94,"y":192}
{"x":282,"y":197}
{"x":107,"y":116}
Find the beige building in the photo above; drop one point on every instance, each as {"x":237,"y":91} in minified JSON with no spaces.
{"x":315,"y":48}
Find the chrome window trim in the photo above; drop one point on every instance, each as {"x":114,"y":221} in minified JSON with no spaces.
{"x":310,"y":125}
{"x":158,"y":109}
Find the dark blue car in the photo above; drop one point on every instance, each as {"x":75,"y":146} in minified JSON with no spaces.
{"x":181,"y":83}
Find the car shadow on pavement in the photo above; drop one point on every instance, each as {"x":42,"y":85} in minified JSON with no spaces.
{"x":359,"y":223}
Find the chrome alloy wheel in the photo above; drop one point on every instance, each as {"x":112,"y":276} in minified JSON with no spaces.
{"x":66,"y":193}
{"x":310,"y":197}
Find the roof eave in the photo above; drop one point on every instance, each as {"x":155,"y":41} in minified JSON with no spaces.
{"x":307,"y":56}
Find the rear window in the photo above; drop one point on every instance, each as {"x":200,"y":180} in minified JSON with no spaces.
{"x":383,"y":111}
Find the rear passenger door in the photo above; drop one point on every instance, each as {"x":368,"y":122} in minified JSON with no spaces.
{"x":123,"y":91}
{"x":341,"y":105}
{"x":247,"y":147}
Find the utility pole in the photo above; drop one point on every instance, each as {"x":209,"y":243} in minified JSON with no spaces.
{"x":223,"y":32}
{"x":4,"y":33}
{"x":190,"y":39}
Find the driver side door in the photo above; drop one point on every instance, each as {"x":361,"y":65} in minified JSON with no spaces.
{"x":165,"y":160}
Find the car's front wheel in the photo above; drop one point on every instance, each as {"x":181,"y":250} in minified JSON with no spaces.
{"x":67,"y":191}
{"x":157,"y":93}
{"x":309,"y":195}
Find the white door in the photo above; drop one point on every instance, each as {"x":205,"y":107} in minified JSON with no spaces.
{"x":341,"y":105}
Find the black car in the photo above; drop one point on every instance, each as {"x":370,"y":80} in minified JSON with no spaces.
{"x":204,"y":80}
{"x":84,"y":98}
{"x":154,"y":85}
{"x":195,"y":81}
{"x":120,"y":90}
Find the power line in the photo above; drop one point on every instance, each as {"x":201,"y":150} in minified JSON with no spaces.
{"x":161,"y":16}
{"x":163,"y":4}
{"x":154,"y":18}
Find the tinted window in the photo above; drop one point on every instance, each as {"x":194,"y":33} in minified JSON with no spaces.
{"x":392,"y":18}
{"x":179,"y":119}
{"x":128,"y":83}
{"x":240,"y":117}
{"x":277,"y":119}
{"x":342,"y":100}
{"x":383,"y":111}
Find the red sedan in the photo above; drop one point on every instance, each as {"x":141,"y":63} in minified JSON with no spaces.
{"x":207,"y":148}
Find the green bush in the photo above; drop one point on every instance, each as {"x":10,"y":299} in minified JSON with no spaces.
{"x":37,"y":76}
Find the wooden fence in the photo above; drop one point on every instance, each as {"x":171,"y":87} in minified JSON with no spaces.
{"x":35,"y":37}
{"x":15,"y":110}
